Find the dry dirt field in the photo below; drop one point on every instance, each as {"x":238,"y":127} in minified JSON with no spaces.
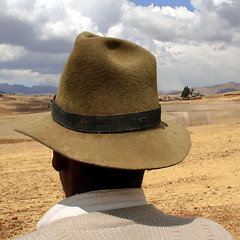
{"x":206,"y":183}
{"x":17,"y":104}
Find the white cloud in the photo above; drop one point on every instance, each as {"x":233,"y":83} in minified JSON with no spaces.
{"x":220,"y":2}
{"x":104,"y":13}
{"x":9,"y":52}
{"x":163,"y":24}
{"x":27,"y":77}
{"x":198,"y":65}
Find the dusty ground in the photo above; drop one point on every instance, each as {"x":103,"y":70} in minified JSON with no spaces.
{"x":206,"y":183}
{"x":17,"y":104}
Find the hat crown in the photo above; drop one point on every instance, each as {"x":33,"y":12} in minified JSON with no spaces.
{"x":107,"y":76}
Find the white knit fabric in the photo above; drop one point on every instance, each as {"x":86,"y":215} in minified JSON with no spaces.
{"x":139,"y":222}
{"x":94,"y":201}
{"x":122,"y":215}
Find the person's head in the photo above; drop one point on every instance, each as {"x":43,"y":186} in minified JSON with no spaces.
{"x":106,"y":113}
{"x":77,"y":177}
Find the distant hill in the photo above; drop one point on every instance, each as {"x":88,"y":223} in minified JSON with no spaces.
{"x":216,"y":89}
{"x":174,"y":92}
{"x":16,"y":88}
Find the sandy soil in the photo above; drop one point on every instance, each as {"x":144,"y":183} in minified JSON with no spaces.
{"x":17,"y":104}
{"x":205,"y":184}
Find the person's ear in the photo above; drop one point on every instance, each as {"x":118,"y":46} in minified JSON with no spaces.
{"x":58,"y":162}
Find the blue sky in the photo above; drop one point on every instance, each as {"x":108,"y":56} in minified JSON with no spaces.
{"x":172,"y":3}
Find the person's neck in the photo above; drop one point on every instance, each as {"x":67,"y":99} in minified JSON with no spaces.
{"x":85,"y":190}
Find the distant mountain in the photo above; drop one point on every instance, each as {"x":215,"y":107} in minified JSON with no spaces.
{"x":227,"y":90}
{"x":16,"y":88}
{"x":216,"y":89}
{"x":174,"y":92}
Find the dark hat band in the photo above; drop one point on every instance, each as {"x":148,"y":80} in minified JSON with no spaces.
{"x":106,"y":124}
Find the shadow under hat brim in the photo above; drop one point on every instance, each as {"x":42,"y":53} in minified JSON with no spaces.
{"x":164,"y":145}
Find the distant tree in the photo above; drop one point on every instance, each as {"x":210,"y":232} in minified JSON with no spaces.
{"x":186,"y":92}
{"x":191,"y":92}
{"x":1,"y":93}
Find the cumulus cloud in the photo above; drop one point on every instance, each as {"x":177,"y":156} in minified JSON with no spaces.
{"x":230,"y":12}
{"x":164,"y":24}
{"x":104,"y":13}
{"x":42,"y":26}
{"x":178,"y":24}
{"x":43,"y":63}
{"x":195,"y":48}
{"x":27,"y":77}
{"x":10,"y":53}
{"x":195,"y":65}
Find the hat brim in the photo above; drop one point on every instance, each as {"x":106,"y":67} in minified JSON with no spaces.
{"x":164,"y":145}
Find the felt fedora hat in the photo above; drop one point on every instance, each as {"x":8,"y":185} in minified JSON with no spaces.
{"x":106,"y":111}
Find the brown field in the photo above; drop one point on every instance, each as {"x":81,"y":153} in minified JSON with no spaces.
{"x":206,"y":183}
